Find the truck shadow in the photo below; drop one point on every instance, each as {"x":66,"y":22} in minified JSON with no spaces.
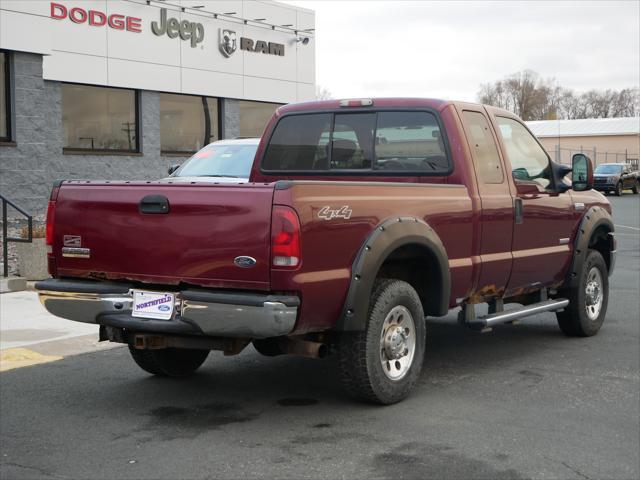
{"x":454,"y":353}
{"x":264,"y":383}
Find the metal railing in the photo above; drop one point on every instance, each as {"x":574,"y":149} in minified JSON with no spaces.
{"x":564,"y":154}
{"x":5,"y":227}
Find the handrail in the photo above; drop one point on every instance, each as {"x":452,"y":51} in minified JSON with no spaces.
{"x":6,"y":238}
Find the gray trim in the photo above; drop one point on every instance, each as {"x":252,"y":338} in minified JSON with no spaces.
{"x":287,"y":184}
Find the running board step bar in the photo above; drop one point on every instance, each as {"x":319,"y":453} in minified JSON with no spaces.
{"x":485,"y":323}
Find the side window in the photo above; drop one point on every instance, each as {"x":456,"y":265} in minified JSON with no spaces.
{"x":483,"y":147}
{"x":528,"y":159}
{"x":299,"y":143}
{"x":409,"y":141}
{"x":352,"y":145}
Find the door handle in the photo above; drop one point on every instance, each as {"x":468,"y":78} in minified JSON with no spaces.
{"x":518,"y":207}
{"x":154,"y":204}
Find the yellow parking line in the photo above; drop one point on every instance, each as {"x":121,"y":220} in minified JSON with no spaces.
{"x":22,"y":357}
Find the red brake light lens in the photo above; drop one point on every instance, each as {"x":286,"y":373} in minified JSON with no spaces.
{"x":358,"y":102}
{"x":51,"y":213}
{"x":285,"y":238}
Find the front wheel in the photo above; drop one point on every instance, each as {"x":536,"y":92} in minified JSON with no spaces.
{"x":169,"y":362}
{"x":618,"y":190}
{"x":588,"y":300}
{"x":382,"y":363}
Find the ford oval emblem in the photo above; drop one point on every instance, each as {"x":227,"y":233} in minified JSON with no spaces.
{"x":245,"y":262}
{"x":164,"y":308}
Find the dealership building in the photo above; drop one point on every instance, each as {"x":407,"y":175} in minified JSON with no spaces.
{"x":122,"y":89}
{"x":604,"y":140}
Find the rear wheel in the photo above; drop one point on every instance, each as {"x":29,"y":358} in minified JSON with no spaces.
{"x":636,"y":187}
{"x":382,"y":363}
{"x":169,"y":362}
{"x":588,"y":301}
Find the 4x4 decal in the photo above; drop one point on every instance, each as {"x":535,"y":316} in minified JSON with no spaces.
{"x":328,"y":213}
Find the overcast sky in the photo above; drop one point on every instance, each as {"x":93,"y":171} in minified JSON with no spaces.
{"x":447,"y":49}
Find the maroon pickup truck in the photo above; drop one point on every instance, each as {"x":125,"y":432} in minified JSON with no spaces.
{"x":360,"y":219}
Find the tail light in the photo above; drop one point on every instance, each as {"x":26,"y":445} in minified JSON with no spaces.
{"x":285,"y":238}
{"x":51,"y":215}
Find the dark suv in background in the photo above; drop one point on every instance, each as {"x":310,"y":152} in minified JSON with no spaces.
{"x":615,"y":177}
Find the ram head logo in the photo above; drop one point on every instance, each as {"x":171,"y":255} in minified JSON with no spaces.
{"x":228,"y":42}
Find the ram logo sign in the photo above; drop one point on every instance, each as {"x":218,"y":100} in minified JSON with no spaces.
{"x":229,"y":44}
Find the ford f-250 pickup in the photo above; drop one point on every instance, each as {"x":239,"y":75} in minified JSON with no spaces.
{"x":360,"y":218}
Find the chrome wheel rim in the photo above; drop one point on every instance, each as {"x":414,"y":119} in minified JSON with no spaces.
{"x":593,"y":293}
{"x":397,"y":343}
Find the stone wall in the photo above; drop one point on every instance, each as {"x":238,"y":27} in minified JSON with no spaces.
{"x":28,"y":169}
{"x":231,"y":118}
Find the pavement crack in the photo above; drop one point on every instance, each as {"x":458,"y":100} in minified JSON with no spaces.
{"x":35,"y":469}
{"x":575,"y":470}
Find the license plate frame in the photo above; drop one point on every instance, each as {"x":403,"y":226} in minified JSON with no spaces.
{"x":153,"y":305}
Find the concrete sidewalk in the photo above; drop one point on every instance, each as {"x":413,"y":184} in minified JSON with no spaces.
{"x":30,"y":335}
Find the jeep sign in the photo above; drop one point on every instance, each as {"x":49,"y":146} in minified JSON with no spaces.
{"x":173,"y":27}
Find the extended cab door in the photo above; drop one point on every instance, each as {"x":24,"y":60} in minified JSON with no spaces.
{"x":496,"y":215}
{"x":544,"y":219}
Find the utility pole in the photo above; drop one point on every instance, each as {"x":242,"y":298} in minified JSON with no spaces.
{"x":129,"y":129}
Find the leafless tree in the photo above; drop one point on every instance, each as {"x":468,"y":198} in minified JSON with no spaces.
{"x":323,"y":93}
{"x":533,"y":98}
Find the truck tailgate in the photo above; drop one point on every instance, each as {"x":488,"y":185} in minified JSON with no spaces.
{"x":196,"y":241}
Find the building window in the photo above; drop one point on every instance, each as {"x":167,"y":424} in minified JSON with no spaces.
{"x":99,"y":119}
{"x":5,"y":111}
{"x":254,"y":117}
{"x":187,"y":123}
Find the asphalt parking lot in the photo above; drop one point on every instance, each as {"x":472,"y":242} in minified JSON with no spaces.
{"x":520,"y":402}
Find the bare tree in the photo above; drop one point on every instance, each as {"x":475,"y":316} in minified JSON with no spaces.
{"x":323,"y":93}
{"x":533,"y":98}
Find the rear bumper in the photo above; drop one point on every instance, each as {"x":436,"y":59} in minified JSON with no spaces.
{"x":197,"y":312}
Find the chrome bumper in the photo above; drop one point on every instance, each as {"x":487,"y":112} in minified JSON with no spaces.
{"x":196,"y":312}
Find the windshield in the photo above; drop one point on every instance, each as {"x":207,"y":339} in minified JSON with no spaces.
{"x":219,"y":161}
{"x":608,"y":169}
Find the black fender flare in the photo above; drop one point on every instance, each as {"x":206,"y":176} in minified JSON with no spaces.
{"x":593,"y":219}
{"x":379,"y":245}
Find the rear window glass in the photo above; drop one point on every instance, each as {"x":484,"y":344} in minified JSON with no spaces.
{"x":300,"y":142}
{"x":363,"y":142}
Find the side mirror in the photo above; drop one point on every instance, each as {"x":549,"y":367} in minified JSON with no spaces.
{"x":581,"y":173}
{"x":173,"y":168}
